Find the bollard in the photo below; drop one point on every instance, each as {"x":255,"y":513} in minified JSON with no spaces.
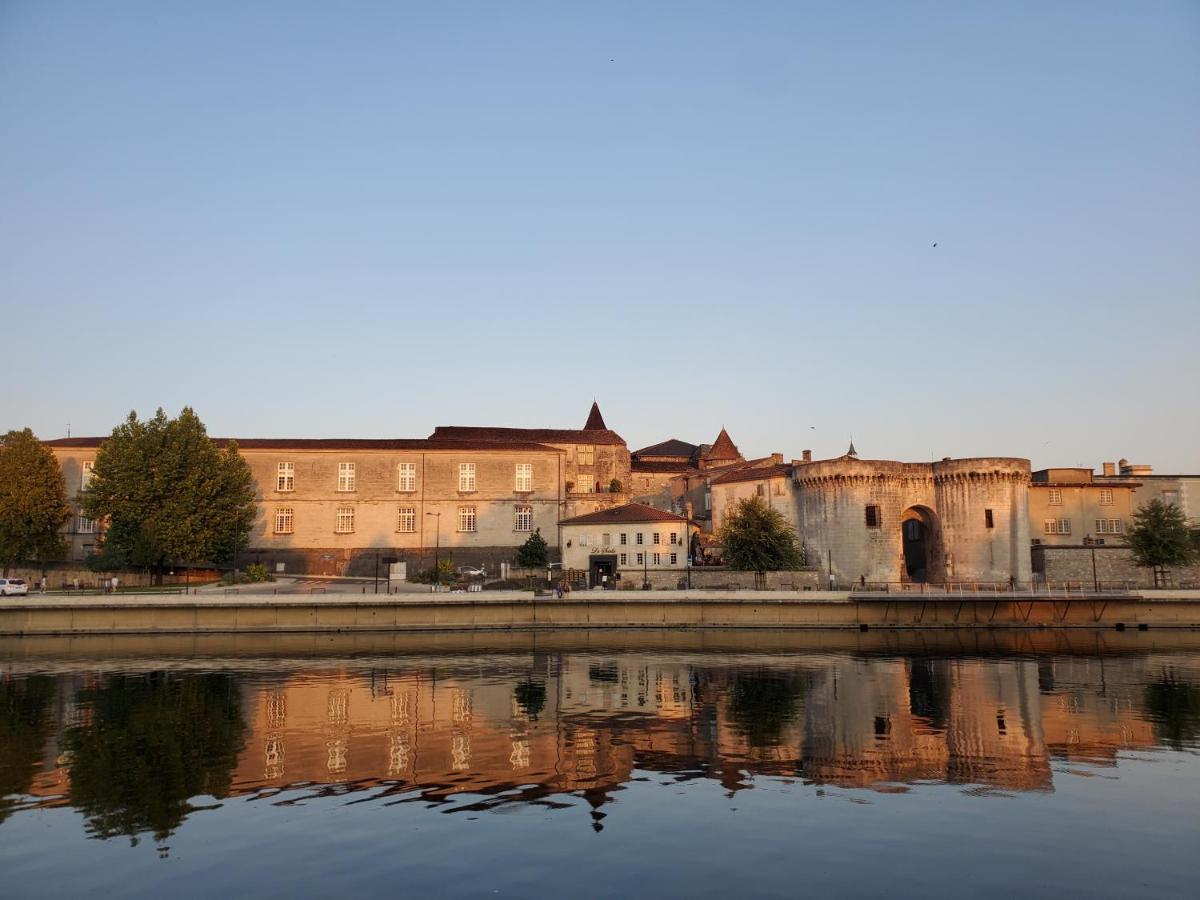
{"x":1120,"y":626}
{"x":1142,"y":626}
{"x":864,"y":627}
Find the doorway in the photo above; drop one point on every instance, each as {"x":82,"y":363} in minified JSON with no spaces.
{"x":919,"y":538}
{"x":603,"y":570}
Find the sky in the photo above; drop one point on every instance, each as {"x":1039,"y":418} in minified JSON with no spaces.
{"x":946,"y":229}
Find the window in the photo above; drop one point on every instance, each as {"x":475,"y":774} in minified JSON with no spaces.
{"x":606,"y":540}
{"x":674,"y":537}
{"x":674,"y":558}
{"x":466,"y":515}
{"x":1109,"y":526}
{"x":85,"y":477}
{"x":641,"y":558}
{"x":708,"y":501}
{"x":524,"y":477}
{"x":657,"y":538}
{"x":284,"y":517}
{"x":872,"y":516}
{"x":1055,"y":497}
{"x":406,"y":519}
{"x":285,"y":476}
{"x":524,"y":519}
{"x":584,"y":540}
{"x":345,"y":476}
{"x":1106,"y":497}
{"x":406,"y":476}
{"x":345,"y":519}
{"x":1057,"y":526}
{"x":624,"y":559}
{"x":658,"y":559}
{"x":988,"y":519}
{"x":639,"y":538}
{"x":585,"y":454}
{"x":466,"y":478}
{"x":1170,"y":498}
{"x":86,"y":525}
{"x":758,"y":489}
{"x":624,"y":539}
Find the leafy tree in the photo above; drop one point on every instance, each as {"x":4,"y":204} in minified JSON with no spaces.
{"x":149,"y":745}
{"x":615,"y":486}
{"x":757,"y":538}
{"x":33,"y":501}
{"x":169,"y":495}
{"x":533,"y":553}
{"x":1160,"y":538}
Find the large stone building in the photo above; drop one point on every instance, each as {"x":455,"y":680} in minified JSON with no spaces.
{"x":881,"y":521}
{"x":342,"y":506}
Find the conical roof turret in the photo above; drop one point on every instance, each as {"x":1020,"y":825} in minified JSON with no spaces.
{"x":595,"y":421}
{"x":723,"y":448}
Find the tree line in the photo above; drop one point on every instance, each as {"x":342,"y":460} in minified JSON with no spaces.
{"x":162,"y":492}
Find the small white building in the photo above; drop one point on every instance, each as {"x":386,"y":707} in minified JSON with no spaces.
{"x":625,"y":542}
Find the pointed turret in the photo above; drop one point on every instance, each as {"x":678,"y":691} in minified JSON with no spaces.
{"x":852,"y":452}
{"x":723,"y":448}
{"x":595,"y":421}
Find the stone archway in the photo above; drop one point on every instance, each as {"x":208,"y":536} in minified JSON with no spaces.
{"x":921,"y":558}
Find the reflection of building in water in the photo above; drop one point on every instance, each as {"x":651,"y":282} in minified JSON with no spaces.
{"x":526,"y":727}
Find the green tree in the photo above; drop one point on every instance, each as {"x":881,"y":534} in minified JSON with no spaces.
{"x":169,"y":495}
{"x":1160,"y":538}
{"x":33,"y":501}
{"x":533,"y":553}
{"x":757,"y":538}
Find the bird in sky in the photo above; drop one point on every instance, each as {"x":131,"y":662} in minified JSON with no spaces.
{"x":935,"y":243}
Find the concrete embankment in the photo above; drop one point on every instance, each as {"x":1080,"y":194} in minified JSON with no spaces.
{"x":595,"y":610}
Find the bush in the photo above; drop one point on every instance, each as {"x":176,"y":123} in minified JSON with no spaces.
{"x":533,"y":553}
{"x":615,"y":486}
{"x":257,"y":573}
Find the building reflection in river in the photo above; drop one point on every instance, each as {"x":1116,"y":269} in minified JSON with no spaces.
{"x":133,"y":751}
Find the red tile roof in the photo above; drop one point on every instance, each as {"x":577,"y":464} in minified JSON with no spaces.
{"x":541,"y":435}
{"x":751,"y":473}
{"x":629,"y":514}
{"x":670,"y":447}
{"x":343,"y":444}
{"x":723,"y":447}
{"x":595,"y":421}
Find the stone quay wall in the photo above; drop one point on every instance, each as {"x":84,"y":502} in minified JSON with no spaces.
{"x":1114,"y":567}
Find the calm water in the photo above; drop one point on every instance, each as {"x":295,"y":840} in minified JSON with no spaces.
{"x":600,"y":765}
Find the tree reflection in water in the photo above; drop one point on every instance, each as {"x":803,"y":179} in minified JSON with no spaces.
{"x":145,"y":745}
{"x":24,"y":727}
{"x":762,"y":703}
{"x":1174,"y":706}
{"x":531,"y":698}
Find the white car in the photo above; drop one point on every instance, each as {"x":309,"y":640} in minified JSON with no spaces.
{"x":471,"y":572}
{"x":12,"y":587}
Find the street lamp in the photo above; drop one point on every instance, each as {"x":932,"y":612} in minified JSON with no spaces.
{"x":437,"y":548}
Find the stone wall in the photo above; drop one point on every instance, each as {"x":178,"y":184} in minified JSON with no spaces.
{"x":1114,"y":568}
{"x":720,"y":578}
{"x":60,"y":576}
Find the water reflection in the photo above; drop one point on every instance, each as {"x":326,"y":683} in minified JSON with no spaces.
{"x":137,"y":747}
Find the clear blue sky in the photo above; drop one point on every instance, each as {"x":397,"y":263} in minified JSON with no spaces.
{"x":366,"y":219}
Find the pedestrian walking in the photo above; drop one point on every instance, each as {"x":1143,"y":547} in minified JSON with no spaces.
{"x":115,"y":581}
{"x":43,"y":584}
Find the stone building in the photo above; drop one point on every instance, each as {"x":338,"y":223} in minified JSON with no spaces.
{"x":626,"y":543}
{"x":1070,"y":507}
{"x":1178,"y":490}
{"x":883,"y":521}
{"x":342,"y":506}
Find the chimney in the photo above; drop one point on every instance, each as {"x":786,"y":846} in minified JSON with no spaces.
{"x":806,"y":455}
{"x":1123,"y":466}
{"x":1110,"y":469}
{"x":777,"y":458}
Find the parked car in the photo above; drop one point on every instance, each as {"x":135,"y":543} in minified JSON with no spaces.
{"x":12,"y":587}
{"x":471,"y":572}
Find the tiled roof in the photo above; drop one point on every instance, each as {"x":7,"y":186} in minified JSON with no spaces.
{"x":723,"y":447}
{"x":595,"y":421}
{"x":664,"y":466}
{"x":539,"y":435}
{"x":342,"y":444}
{"x":629,"y":514}
{"x":671,"y":447}
{"x":751,"y":473}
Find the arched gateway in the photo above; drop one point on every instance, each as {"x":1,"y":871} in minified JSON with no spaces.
{"x":922,"y":557}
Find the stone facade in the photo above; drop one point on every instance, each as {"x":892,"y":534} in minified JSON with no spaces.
{"x":343,"y":507}
{"x":625,"y":542}
{"x":883,"y":521}
{"x":1070,"y":506}
{"x":1103,"y":566}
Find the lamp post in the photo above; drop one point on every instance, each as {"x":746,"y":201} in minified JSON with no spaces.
{"x":437,"y":548}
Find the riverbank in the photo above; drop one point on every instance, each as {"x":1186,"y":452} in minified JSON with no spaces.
{"x":497,"y":610}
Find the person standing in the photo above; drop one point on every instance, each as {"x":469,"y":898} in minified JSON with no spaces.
{"x":114,"y":583}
